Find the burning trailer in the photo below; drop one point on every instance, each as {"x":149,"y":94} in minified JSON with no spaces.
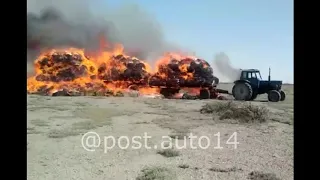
{"x":70,"y":73}
{"x":186,"y":72}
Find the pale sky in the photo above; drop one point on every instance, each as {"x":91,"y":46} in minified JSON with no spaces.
{"x":253,"y":33}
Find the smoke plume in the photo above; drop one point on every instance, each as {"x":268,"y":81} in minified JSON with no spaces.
{"x":222,"y":65}
{"x":62,"y":23}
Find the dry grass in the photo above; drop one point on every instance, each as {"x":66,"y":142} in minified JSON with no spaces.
{"x":257,"y":175}
{"x":183,"y":166}
{"x":98,"y":115}
{"x":156,"y":173}
{"x":179,"y":136}
{"x":243,"y":112}
{"x":271,"y":143}
{"x":142,"y":122}
{"x":95,"y":117}
{"x":224,"y":170}
{"x":51,"y":108}
{"x":39,"y":122}
{"x":32,"y":130}
{"x":85,"y":125}
{"x":180,"y":129}
{"x":62,"y":133}
{"x":77,"y":128}
{"x":169,"y":153}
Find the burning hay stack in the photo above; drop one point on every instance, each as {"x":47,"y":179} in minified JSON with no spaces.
{"x":124,"y":69}
{"x":70,"y":72}
{"x":62,"y":66}
{"x":65,"y":73}
{"x":178,"y":72}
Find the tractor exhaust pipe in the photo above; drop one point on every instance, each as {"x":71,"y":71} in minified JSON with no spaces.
{"x":269,"y":78}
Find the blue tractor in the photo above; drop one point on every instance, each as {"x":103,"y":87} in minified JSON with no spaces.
{"x":250,"y":85}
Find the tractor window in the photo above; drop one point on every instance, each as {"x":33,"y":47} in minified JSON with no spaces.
{"x":258,"y":76}
{"x":249,"y":75}
{"x":244,"y":75}
{"x":254,"y":75}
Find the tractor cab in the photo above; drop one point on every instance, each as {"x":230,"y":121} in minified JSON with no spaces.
{"x":250,"y":74}
{"x":252,"y":77}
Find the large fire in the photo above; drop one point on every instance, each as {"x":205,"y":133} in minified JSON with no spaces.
{"x":76,"y":72}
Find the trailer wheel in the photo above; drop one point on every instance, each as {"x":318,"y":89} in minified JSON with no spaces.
{"x":168,"y":92}
{"x":133,"y":87}
{"x":274,"y":96}
{"x":283,"y":95}
{"x":204,"y":94}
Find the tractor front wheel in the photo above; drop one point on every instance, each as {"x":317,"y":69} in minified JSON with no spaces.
{"x":283,"y":95}
{"x":274,"y":96}
{"x":242,"y":91}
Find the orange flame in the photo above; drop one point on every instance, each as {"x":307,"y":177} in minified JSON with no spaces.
{"x":46,"y":68}
{"x":103,"y":71}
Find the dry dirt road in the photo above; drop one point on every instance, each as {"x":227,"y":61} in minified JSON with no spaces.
{"x":56,"y":125}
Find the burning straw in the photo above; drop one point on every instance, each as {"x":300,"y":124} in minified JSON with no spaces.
{"x":71,"y":72}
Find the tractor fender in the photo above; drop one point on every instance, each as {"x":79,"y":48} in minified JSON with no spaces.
{"x":241,"y":81}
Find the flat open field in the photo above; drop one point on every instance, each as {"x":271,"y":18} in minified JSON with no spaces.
{"x":55,"y":126}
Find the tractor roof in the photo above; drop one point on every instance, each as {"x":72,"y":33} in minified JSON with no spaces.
{"x":252,"y":70}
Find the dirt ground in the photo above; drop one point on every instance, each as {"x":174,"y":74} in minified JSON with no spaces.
{"x":56,"y":125}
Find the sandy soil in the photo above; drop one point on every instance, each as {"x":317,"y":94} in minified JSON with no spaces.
{"x":56,"y":126}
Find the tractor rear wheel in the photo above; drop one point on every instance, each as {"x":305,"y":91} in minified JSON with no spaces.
{"x":274,"y":96}
{"x":242,"y":91}
{"x":283,"y":95}
{"x":204,"y":94}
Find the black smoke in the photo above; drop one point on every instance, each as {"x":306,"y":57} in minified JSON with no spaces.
{"x":222,"y":66}
{"x":78,"y":24}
